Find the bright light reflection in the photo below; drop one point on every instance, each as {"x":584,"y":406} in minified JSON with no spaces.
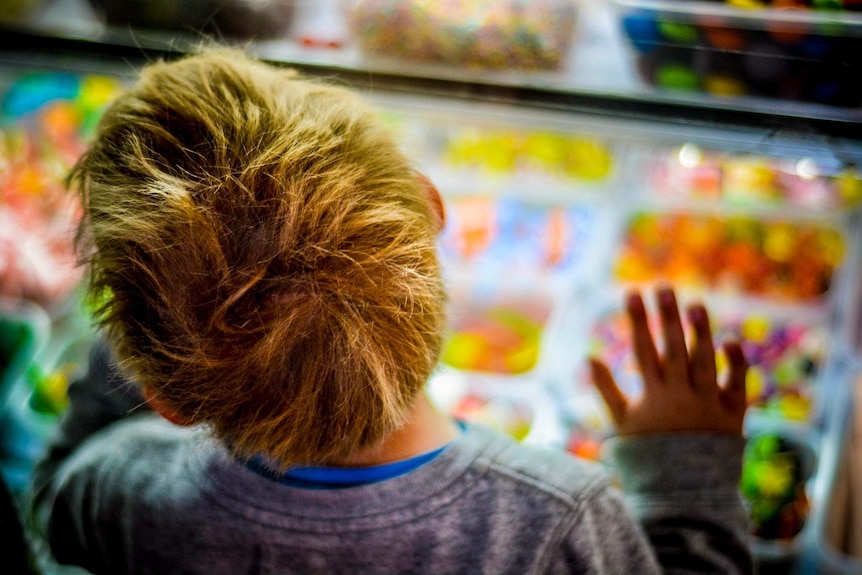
{"x":690,"y":156}
{"x":806,"y":169}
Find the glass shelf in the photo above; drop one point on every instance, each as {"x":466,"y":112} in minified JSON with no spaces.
{"x":597,"y":75}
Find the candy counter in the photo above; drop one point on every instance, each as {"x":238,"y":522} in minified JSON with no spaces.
{"x":555,"y":207}
{"x":769,"y":240}
{"x":45,"y":120}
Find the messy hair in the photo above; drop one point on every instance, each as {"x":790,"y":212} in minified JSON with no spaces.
{"x":263,"y":254}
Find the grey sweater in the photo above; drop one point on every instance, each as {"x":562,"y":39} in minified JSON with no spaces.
{"x":142,"y":496}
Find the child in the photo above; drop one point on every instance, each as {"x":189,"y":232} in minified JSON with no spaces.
{"x":267,"y":263}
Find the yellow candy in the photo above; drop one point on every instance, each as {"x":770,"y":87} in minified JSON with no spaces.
{"x":518,"y":430}
{"x":720,"y":363}
{"x":547,"y":150}
{"x":831,"y":247}
{"x":753,"y":384}
{"x":465,"y":351}
{"x":795,"y":407}
{"x":755,"y":329}
{"x":631,"y":268}
{"x":522,"y":325}
{"x":524,"y":358}
{"x":589,"y":159}
{"x":50,"y":391}
{"x":97,"y":91}
{"x":747,"y":4}
{"x":774,"y":478}
{"x":723,"y":86}
{"x":849,"y":185}
{"x":779,"y":243}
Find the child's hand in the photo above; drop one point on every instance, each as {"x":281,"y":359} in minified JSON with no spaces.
{"x":681,"y":391}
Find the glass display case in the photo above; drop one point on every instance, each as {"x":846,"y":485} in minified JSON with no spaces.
{"x":566,"y":185}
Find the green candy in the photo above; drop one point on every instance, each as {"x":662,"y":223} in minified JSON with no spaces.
{"x":678,"y":33}
{"x":677,"y":77}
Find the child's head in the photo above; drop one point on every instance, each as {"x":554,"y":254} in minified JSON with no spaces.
{"x":266,"y":256}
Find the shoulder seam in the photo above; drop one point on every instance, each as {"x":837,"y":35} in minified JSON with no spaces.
{"x":590,"y":487}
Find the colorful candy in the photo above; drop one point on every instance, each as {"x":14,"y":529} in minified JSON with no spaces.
{"x":503,"y":337}
{"x":725,"y":52}
{"x":784,"y":357}
{"x":46,"y":119}
{"x":737,"y":254}
{"x":510,"y":236}
{"x":500,"y":34}
{"x":747,"y":179}
{"x":773,"y":482}
{"x":500,"y":151}
{"x":676,"y":77}
{"x":50,"y":388}
{"x":510,"y":416}
{"x":585,"y":439}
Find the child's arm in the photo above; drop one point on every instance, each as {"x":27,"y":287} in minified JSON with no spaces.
{"x":679,"y":453}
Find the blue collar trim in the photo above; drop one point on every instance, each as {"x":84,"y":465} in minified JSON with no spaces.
{"x":341,"y":477}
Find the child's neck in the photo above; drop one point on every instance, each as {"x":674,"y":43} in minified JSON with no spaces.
{"x":426,"y":430}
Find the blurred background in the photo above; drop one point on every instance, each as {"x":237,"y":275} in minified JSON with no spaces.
{"x":583,"y":147}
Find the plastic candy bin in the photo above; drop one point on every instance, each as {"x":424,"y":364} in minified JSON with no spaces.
{"x":496,"y":331}
{"x":781,"y":50}
{"x":485,"y":34}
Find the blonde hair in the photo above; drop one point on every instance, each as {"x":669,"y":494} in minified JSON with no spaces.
{"x":265,"y":255}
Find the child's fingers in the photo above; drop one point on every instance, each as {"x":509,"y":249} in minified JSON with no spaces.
{"x":608,"y":389}
{"x":642,"y":341}
{"x":675,"y":354}
{"x":702,"y":358}
{"x":734,"y":389}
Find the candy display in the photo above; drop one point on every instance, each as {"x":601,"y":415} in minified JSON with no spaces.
{"x":785,"y":358}
{"x":45,"y":120}
{"x":500,"y":151}
{"x":785,"y":49}
{"x":496,"y":333}
{"x":497,"y":34}
{"x":585,"y":442}
{"x":510,"y":416}
{"x":774,"y":472}
{"x":508,"y":235}
{"x":746,"y":179}
{"x":788,"y":261}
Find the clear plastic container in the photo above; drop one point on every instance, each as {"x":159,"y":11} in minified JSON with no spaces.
{"x":720,"y":49}
{"x":772,"y":258}
{"x":729,"y":178}
{"x":522,"y":408}
{"x":497,"y":236}
{"x":488,"y":34}
{"x":780,"y":469}
{"x":499,"y":329}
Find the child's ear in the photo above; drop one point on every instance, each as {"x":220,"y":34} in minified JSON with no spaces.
{"x":164,"y":410}
{"x":436,"y":202}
